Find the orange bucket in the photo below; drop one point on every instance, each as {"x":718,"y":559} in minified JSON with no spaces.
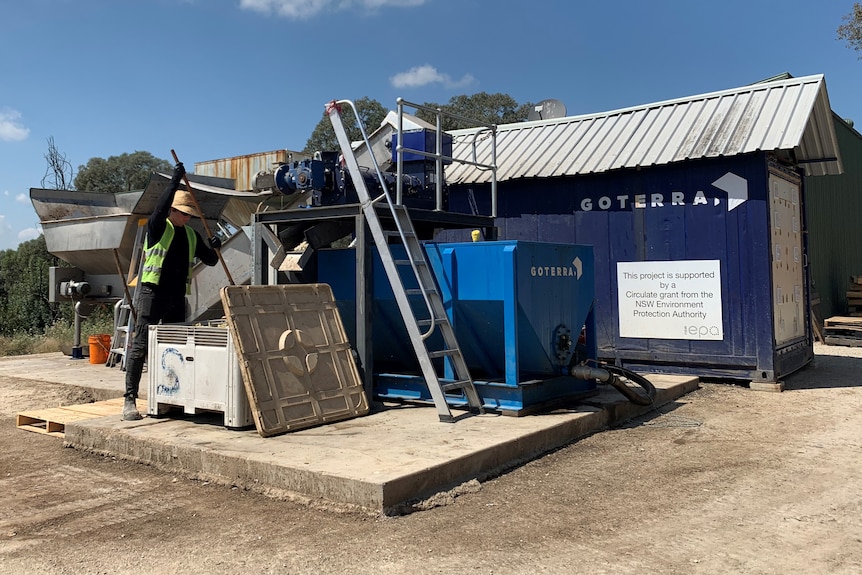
{"x":100,"y":346}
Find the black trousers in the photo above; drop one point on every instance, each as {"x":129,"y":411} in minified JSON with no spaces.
{"x":153,"y":307}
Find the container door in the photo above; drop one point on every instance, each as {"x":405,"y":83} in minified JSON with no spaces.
{"x":788,"y":272}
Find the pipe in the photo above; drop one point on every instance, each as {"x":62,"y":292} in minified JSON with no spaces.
{"x":77,"y":350}
{"x":612,"y":375}
{"x":586,"y":372}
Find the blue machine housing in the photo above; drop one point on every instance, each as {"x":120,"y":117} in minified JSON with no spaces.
{"x":521,"y":311}
{"x":423,"y":141}
{"x":419,"y":170}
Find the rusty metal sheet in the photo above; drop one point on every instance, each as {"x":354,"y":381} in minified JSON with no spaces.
{"x":295,"y":359}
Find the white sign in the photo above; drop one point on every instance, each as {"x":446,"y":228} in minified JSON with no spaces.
{"x":670,"y":299}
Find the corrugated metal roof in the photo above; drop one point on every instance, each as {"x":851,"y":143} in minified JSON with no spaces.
{"x":787,"y":115}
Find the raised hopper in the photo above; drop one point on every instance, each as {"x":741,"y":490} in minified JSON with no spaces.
{"x":84,"y":228}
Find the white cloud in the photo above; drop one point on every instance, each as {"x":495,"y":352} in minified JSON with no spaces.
{"x":24,"y":235}
{"x":11,"y":129}
{"x":22,"y":198}
{"x":29,"y":234}
{"x":424,"y":75}
{"x":299,"y":9}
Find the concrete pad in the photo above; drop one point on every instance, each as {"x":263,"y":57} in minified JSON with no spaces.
{"x":102,"y":381}
{"x":380,"y":463}
{"x":384,"y":462}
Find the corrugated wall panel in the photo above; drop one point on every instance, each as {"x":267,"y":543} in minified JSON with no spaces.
{"x":242,"y":169}
{"x":834,"y":211}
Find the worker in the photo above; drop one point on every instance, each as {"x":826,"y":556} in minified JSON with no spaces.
{"x":170,"y":249}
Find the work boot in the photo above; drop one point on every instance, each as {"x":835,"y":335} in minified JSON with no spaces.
{"x":134,"y":367}
{"x":130,"y":410}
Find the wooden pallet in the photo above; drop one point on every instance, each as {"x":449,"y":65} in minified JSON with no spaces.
{"x":52,"y":421}
{"x":843,"y":330}
{"x":854,"y":296}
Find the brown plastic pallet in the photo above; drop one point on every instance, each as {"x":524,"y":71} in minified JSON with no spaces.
{"x":52,"y":421}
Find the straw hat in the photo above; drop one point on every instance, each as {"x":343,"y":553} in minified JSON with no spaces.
{"x":184,"y":202}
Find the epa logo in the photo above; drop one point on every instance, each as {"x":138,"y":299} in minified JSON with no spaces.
{"x":700,"y":330}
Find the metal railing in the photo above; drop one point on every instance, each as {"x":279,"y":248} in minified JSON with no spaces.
{"x":438,"y":156}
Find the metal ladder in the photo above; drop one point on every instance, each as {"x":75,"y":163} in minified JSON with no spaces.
{"x":124,"y":321}
{"x":404,"y":231}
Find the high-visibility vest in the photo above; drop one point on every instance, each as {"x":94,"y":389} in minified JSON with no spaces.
{"x":155,"y":255}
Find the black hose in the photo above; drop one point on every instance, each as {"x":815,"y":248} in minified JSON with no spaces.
{"x":611,"y":374}
{"x":631,"y":394}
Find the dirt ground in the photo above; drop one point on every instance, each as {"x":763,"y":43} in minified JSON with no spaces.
{"x":724,"y":480}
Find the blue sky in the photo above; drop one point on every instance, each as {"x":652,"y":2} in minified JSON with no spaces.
{"x":219,"y":78}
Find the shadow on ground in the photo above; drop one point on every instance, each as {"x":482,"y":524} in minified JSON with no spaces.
{"x":827,"y":371}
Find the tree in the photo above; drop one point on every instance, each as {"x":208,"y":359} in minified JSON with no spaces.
{"x":482,"y":107}
{"x":851,"y":30}
{"x":323,"y":137}
{"x":24,"y":306}
{"x":58,"y":175}
{"x":122,"y":173}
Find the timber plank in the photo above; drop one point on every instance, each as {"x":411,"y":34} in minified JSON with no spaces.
{"x":845,"y":341}
{"x":842,"y":321}
{"x":53,"y":420}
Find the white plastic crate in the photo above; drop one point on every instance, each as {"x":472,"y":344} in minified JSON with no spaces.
{"x":196,"y":368}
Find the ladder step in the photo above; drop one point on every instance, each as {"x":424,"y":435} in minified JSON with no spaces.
{"x":407,"y":262}
{"x":419,"y":291}
{"x":456,"y":385}
{"x":442,"y":353}
{"x":396,"y":234}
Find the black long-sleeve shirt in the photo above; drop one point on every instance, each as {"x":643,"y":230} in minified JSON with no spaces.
{"x":175,"y":269}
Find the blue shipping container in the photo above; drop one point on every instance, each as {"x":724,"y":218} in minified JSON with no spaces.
{"x":700,"y":266}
